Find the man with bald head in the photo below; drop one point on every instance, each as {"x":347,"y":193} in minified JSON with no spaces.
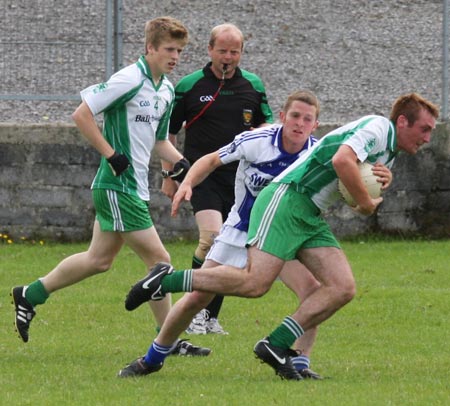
{"x":215,"y":104}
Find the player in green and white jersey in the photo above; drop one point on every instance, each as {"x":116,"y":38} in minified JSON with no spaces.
{"x":262,"y":154}
{"x":286,"y":223}
{"x":136,"y":103}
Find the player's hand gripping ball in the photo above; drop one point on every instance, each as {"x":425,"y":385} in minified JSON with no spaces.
{"x":369,"y":180}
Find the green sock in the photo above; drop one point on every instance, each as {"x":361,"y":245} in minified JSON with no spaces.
{"x":178,"y":281}
{"x":197,"y":262}
{"x":286,"y":333}
{"x":36,"y":293}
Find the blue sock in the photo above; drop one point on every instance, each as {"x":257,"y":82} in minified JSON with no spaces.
{"x":157,"y":353}
{"x":300,"y":362}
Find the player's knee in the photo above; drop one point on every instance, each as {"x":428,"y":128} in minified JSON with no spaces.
{"x":201,"y":299}
{"x":205,"y":241}
{"x":162,"y":257}
{"x":350,"y":292}
{"x":96,"y":262}
{"x":308,"y":289}
{"x":101,"y":265}
{"x":258,"y":291}
{"x":194,"y":301}
{"x":346,"y":292}
{"x":254,"y":288}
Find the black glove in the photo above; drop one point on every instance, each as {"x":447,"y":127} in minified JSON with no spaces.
{"x":179,"y":170}
{"x":118,"y":163}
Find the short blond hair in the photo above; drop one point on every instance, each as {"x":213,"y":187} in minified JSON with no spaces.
{"x":162,"y":29}
{"x":220,"y":29}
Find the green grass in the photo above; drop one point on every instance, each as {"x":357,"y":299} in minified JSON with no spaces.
{"x":389,"y":346}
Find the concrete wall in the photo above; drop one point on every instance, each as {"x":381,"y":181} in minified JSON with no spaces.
{"x":46,"y":172}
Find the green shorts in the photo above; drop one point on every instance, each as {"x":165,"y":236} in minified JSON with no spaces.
{"x":283,"y":221}
{"x":116,"y":211}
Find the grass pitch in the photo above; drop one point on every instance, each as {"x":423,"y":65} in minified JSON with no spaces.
{"x":389,"y":346}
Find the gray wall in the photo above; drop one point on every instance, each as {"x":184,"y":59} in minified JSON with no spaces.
{"x":46,"y":171}
{"x":357,"y":56}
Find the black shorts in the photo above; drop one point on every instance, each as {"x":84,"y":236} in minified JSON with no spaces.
{"x":216,"y":192}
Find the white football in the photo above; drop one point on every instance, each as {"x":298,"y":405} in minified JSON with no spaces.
{"x":369,"y":180}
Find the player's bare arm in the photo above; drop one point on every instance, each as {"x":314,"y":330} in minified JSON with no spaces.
{"x":86,"y":123}
{"x":167,"y":152}
{"x":169,"y":186}
{"x":345,"y":163}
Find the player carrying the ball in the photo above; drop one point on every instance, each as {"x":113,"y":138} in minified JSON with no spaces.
{"x":286,"y":223}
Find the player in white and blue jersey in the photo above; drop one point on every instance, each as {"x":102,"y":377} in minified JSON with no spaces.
{"x":261,"y":157}
{"x":262,"y":154}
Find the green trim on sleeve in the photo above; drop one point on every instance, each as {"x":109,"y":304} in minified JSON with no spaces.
{"x":258,"y":85}
{"x":162,"y":132}
{"x":392,"y":137}
{"x":124,"y":98}
{"x":188,"y":82}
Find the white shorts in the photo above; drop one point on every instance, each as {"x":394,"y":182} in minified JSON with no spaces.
{"x":229,"y":247}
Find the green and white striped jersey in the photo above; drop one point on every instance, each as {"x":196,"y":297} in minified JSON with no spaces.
{"x":136,"y":115}
{"x":372,"y":138}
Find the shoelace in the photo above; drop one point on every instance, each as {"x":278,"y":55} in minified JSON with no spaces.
{"x":201,"y":317}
